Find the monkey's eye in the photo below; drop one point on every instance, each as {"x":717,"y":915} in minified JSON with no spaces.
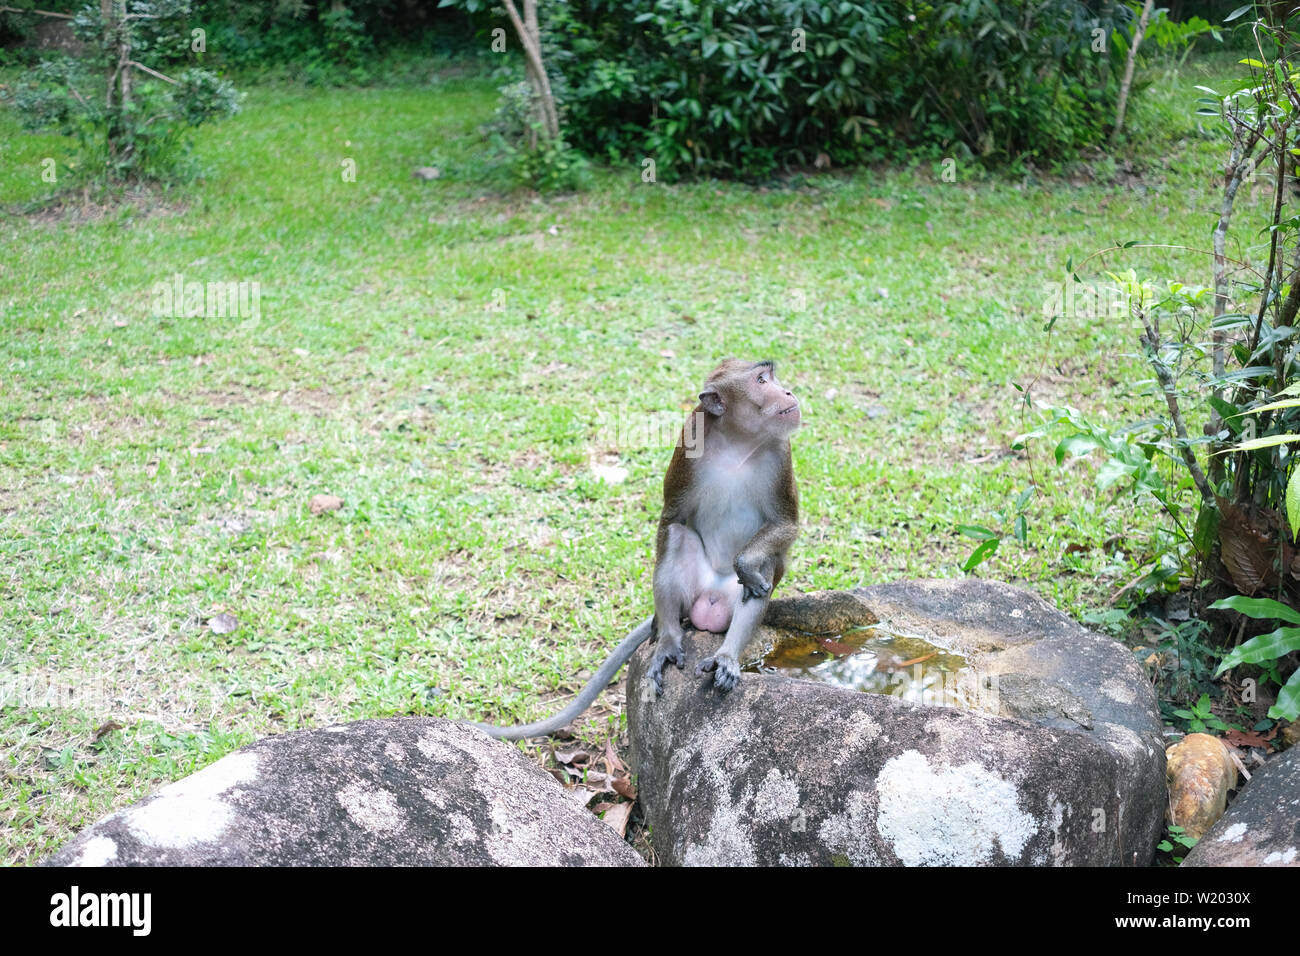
{"x":761,"y":380}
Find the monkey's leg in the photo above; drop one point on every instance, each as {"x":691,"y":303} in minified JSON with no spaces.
{"x":725,"y":664}
{"x":679,"y":577}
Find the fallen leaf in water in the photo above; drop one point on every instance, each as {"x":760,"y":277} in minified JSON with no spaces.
{"x":917,"y":660}
{"x":836,"y":647}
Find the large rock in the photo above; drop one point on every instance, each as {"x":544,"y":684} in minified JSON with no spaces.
{"x":1262,"y":826}
{"x":1064,"y":766}
{"x":402,"y":792}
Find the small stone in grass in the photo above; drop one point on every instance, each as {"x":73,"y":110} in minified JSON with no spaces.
{"x":320,"y":504}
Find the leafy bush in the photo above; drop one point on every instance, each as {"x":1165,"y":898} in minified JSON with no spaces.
{"x":130,"y":121}
{"x":364,"y":42}
{"x":1267,"y":650}
{"x":1216,"y":454}
{"x":748,"y":85}
{"x":547,"y":165}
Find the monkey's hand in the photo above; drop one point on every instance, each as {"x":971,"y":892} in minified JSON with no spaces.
{"x":756,"y":583}
{"x":662,"y":656}
{"x":723,"y":667}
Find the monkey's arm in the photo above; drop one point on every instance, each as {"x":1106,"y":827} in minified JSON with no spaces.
{"x":762,"y":560}
{"x":592,"y":689}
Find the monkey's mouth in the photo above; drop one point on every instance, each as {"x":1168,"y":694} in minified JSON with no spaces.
{"x":787,"y":411}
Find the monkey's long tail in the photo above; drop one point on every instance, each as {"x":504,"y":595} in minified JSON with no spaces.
{"x":592,"y":690}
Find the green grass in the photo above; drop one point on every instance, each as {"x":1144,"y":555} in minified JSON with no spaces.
{"x":155,"y":471}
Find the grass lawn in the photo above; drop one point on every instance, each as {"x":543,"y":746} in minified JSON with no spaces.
{"x":461,"y":366}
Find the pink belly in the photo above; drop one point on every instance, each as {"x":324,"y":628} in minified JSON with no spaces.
{"x":711,"y":612}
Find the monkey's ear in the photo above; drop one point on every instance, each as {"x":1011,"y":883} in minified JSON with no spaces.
{"x":711,"y":401}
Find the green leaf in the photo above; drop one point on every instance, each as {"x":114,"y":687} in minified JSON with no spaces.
{"x":1288,"y":700}
{"x":980,"y":555}
{"x":1293,"y":505}
{"x":1075,"y":445}
{"x":1113,"y":470}
{"x":1206,"y":533}
{"x":1262,"y":608}
{"x":976,"y":531}
{"x":1273,"y":406}
{"x":1266,"y":647}
{"x":1236,"y":13}
{"x":1268,"y":441}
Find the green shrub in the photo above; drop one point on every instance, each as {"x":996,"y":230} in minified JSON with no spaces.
{"x":533,"y":160}
{"x":129,"y":122}
{"x":747,"y":86}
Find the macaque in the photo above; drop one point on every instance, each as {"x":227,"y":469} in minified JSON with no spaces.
{"x":731,"y":512}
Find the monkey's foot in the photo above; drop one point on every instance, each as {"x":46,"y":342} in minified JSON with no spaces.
{"x":725,"y":670}
{"x":663,"y":656}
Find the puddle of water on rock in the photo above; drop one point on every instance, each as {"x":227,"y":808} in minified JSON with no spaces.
{"x":874,"y":660}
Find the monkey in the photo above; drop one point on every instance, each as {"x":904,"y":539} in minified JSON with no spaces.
{"x":730,"y":514}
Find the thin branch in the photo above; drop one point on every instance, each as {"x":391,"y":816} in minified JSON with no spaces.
{"x":43,"y":13}
{"x":141,"y":66}
{"x":77,"y":96}
{"x":1151,"y":338}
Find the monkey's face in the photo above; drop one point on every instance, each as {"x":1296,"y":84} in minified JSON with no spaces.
{"x":769,"y":406}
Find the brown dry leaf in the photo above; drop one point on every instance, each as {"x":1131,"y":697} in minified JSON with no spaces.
{"x":577,"y":757}
{"x":1246,"y":552}
{"x":319,"y":504}
{"x":1241,"y":738}
{"x":560,"y":774}
{"x":612,"y":763}
{"x":624,"y":788}
{"x":617,"y":816}
{"x":597,"y":782}
{"x":106,"y":728}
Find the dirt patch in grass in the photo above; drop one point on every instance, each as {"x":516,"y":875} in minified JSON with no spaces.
{"x":88,"y":206}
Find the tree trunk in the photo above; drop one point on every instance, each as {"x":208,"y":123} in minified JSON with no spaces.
{"x":1128,"y":72}
{"x":530,"y":36}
